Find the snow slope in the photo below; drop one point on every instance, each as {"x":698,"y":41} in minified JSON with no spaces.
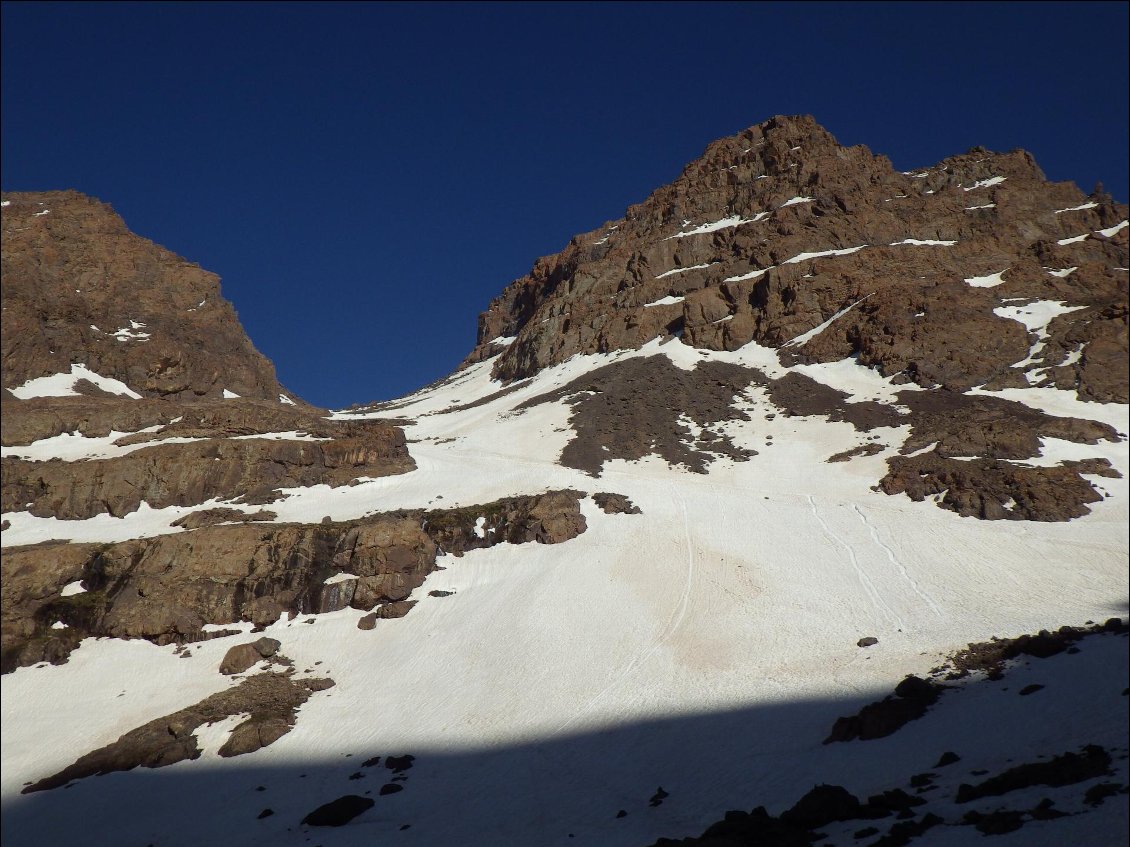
{"x":706,"y":645}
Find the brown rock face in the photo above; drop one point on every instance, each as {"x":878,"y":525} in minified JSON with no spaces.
{"x":166,"y":588}
{"x":778,"y":229}
{"x":243,"y":656}
{"x":81,"y":288}
{"x":188,"y":474}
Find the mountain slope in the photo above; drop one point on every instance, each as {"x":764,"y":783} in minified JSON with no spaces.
{"x":631,"y":565}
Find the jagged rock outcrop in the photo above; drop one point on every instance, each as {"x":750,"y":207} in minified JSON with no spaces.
{"x":80,"y":288}
{"x":779,"y":229}
{"x":167,"y":588}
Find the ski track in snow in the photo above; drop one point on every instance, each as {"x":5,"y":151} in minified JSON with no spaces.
{"x":894,"y":561}
{"x":864,"y":580}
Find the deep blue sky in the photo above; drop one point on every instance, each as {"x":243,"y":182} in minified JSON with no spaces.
{"x":365,"y":178}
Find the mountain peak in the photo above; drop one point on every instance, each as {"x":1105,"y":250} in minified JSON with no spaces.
{"x":81,"y":290}
{"x":774,"y":235}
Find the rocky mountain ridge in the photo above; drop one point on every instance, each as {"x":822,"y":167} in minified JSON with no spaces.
{"x":779,"y":235}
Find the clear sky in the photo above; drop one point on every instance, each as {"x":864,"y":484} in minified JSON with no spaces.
{"x":366,"y":177}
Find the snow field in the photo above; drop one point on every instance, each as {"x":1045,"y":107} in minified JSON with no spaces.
{"x":700,"y":645}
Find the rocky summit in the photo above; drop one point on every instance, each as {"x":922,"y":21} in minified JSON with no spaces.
{"x":789,"y":508}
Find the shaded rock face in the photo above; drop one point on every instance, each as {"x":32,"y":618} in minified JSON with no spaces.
{"x":166,"y":588}
{"x":79,"y":287}
{"x":912,"y":698}
{"x":269,"y":699}
{"x":725,"y":255}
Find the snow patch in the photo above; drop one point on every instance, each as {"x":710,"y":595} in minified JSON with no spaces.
{"x":928,"y":242}
{"x":63,"y":385}
{"x":230,"y":395}
{"x":804,"y":257}
{"x":1035,"y":316}
{"x":1091,"y":205}
{"x":131,"y":332}
{"x":804,"y":338}
{"x":1061,"y":272}
{"x":669,"y":300}
{"x":674,"y":271}
{"x":986,"y":183}
{"x":989,"y":281}
{"x":714,"y":226}
{"x":74,"y":446}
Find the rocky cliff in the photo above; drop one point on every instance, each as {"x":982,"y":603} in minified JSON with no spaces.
{"x":81,"y":289}
{"x":782,"y":236}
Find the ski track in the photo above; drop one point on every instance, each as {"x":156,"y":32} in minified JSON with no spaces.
{"x":868,"y":586}
{"x":911,"y":581}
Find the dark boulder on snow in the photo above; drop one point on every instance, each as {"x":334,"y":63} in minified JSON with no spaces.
{"x":823,"y":805}
{"x":339,"y":812}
